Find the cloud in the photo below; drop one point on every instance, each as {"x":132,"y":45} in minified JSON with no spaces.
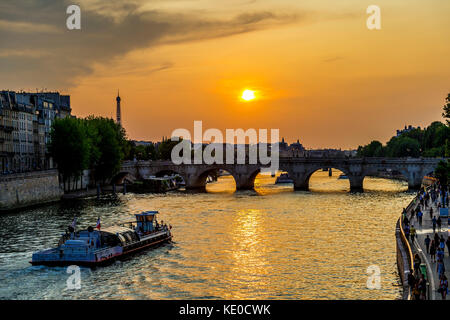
{"x":24,"y":27}
{"x":38,"y":50}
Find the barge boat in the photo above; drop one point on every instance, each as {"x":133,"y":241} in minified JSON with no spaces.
{"x":99,"y":247}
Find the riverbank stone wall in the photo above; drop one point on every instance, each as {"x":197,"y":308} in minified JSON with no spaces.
{"x":27,"y":189}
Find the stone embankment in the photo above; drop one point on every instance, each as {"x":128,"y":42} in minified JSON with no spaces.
{"x":28,"y":189}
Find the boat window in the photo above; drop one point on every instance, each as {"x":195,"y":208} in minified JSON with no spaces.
{"x":133,"y":236}
{"x":122,"y":239}
{"x":110,"y":240}
{"x":127,"y":236}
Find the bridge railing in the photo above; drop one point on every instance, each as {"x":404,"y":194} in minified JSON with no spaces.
{"x":406,"y":245}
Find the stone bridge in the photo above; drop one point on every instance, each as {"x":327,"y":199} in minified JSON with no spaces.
{"x":299,"y":169}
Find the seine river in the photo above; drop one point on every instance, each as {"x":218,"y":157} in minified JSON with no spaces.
{"x":271,"y":243}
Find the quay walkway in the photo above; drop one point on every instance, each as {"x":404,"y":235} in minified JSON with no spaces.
{"x":419,"y":244}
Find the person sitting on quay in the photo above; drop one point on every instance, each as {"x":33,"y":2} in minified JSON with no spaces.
{"x":407,"y":232}
{"x":405,"y":220}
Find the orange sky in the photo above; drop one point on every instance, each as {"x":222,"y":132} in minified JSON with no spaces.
{"x":320,"y":75}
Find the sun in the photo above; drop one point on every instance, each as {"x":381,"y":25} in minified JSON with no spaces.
{"x":248,"y":95}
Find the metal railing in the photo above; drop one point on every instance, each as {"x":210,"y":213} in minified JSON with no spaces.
{"x":406,"y":245}
{"x":408,"y":249}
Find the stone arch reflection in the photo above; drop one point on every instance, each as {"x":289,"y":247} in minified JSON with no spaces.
{"x":218,"y":181}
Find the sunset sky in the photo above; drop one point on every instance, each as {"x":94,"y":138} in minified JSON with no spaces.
{"x":319,"y":74}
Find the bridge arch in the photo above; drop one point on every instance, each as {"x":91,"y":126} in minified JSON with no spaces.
{"x":302,"y":179}
{"x":199,"y":180}
{"x":247,"y":181}
{"x":414,"y":177}
{"x":344,"y":171}
{"x":123,"y":177}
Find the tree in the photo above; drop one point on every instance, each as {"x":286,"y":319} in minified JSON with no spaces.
{"x":165,"y":149}
{"x":435,"y":137}
{"x":403,"y":146}
{"x":442,"y":172}
{"x":151,"y":152}
{"x":446,"y":113}
{"x":129,"y":150}
{"x":373,"y":149}
{"x":69,"y":147}
{"x":108,"y":142}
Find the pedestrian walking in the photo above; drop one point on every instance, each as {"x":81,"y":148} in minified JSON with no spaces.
{"x":439,"y":254}
{"x":440,"y":268}
{"x":436,"y":239}
{"x":448,"y":245}
{"x":412,"y":233}
{"x":443,"y":287}
{"x":417,"y":262}
{"x":427,"y":243}
{"x":420,"y":214}
{"x":434,"y":221}
{"x":442,"y":243}
{"x":433,"y":251}
{"x":439,"y":223}
{"x":422,"y":286}
{"x":416,"y":291}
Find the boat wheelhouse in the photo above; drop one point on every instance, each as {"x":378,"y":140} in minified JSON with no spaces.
{"x":95,"y":247}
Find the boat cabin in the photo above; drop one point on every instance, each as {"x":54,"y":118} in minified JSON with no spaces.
{"x":146,"y":222}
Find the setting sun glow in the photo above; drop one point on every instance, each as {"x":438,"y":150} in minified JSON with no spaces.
{"x":248,"y":95}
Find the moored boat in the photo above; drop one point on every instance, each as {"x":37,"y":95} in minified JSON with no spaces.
{"x":102,"y":246}
{"x":284,"y":178}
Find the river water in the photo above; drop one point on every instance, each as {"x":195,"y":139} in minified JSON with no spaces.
{"x":271,"y":243}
